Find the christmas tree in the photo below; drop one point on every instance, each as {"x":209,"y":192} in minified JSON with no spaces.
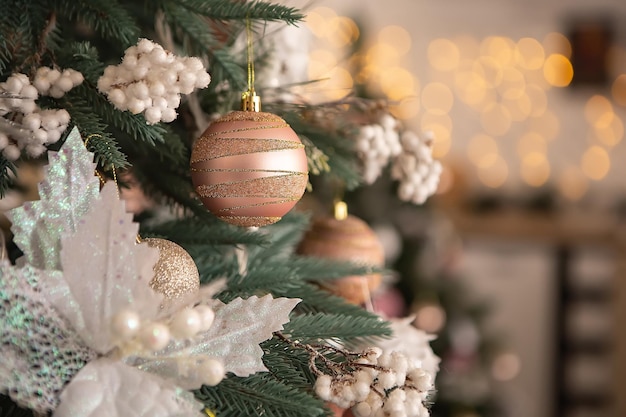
{"x":204,"y":307}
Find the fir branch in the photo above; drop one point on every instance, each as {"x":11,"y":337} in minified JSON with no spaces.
{"x":259,"y":394}
{"x":316,"y":300}
{"x":8,"y":172}
{"x":191,"y":231}
{"x":225,"y":68}
{"x":318,"y":269}
{"x":109,"y":18}
{"x":339,"y":151}
{"x":105,"y":148}
{"x":287,"y":364}
{"x":312,"y":328}
{"x":256,"y":10}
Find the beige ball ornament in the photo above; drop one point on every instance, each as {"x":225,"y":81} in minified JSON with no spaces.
{"x":346,"y":238}
{"x":249,"y":168}
{"x":175,"y":273}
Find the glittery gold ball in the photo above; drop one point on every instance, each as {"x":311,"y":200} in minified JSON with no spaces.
{"x":249,"y":168}
{"x":350,"y":239}
{"x":175,"y":273}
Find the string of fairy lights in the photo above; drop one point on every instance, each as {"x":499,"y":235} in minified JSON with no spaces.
{"x":503,"y":83}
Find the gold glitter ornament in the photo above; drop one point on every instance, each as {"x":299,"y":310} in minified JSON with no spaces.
{"x":249,"y":168}
{"x":175,"y":273}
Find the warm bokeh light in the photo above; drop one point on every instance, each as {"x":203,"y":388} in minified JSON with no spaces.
{"x":472,"y":89}
{"x":443,"y":140}
{"x":547,"y":125}
{"x":500,"y":48}
{"x":535,"y":169}
{"x":496,"y":119}
{"x":382,"y":53}
{"x":480,"y":146}
{"x":335,"y":84}
{"x":558,"y":70}
{"x":538,"y":100}
{"x":494,"y":173}
{"x":618,"y":90}
{"x":598,"y":109}
{"x":519,"y":108}
{"x":397,"y":36}
{"x":513,"y":83}
{"x":595,"y":163}
{"x":446,"y":179}
{"x":555,"y":42}
{"x":468,"y":46}
{"x":429,"y":119}
{"x":443,"y":54}
{"x":397,"y":83}
{"x":489,"y":70}
{"x":407,"y":108}
{"x":343,"y":31}
{"x":531,"y":142}
{"x":437,"y":98}
{"x":611,"y":133}
{"x":572,"y":183}
{"x":318,"y":21}
{"x":529,"y":54}
{"x":429,"y":317}
{"x":506,"y":367}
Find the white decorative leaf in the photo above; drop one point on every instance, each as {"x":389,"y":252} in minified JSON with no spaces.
{"x":112,"y":389}
{"x":67,"y":193}
{"x":233,"y":338}
{"x":104,"y":271}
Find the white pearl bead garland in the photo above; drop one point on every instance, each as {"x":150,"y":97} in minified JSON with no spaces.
{"x":185,"y":324}
{"x":212,"y":372}
{"x":125,"y":325}
{"x":154,"y":336}
{"x":150,"y":80}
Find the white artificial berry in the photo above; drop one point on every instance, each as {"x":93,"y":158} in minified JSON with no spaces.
{"x":212,"y":371}
{"x":207,"y":316}
{"x":362,"y":409}
{"x":185,"y":324}
{"x":154,"y":336}
{"x":387,"y":380}
{"x":322,"y":387}
{"x":150,"y":80}
{"x":4,"y":140}
{"x":32,"y":121}
{"x":125,"y":325}
{"x":11,"y":152}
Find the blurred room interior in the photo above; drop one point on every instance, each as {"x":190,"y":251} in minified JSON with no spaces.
{"x":527,"y":102}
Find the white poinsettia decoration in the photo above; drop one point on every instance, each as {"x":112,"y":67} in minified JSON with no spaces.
{"x":82,"y":333}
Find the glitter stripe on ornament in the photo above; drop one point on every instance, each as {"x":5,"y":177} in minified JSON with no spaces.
{"x":249,"y":221}
{"x":215,"y":148}
{"x":265,"y":203}
{"x":244,"y":129}
{"x":278,"y":186}
{"x":241,"y":116}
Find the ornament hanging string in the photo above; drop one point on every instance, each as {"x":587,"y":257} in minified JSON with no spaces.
{"x":249,"y":99}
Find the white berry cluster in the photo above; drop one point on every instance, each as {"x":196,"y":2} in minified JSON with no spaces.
{"x":150,"y":80}
{"x":376,"y":145}
{"x":380,"y":385}
{"x":24,"y":125}
{"x":54,"y":83}
{"x":134,"y":335}
{"x":415,"y":168}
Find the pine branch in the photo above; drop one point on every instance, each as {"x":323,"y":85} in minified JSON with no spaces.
{"x":316,"y":300}
{"x":259,"y":394}
{"x":191,"y":231}
{"x":225,"y":68}
{"x":339,"y":151}
{"x":105,"y":148}
{"x":312,"y":328}
{"x":8,"y":172}
{"x":287,"y":364}
{"x":255,"y":10}
{"x":108,"y":18}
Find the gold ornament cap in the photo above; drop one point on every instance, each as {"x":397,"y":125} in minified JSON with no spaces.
{"x":250,"y":101}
